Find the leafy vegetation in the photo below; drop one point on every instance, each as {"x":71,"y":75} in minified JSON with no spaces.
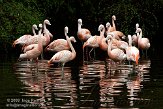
{"x":17,"y":16}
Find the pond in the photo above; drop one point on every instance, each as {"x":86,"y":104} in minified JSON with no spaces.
{"x":97,"y":84}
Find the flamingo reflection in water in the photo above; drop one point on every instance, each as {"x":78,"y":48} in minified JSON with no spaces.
{"x":43,"y":84}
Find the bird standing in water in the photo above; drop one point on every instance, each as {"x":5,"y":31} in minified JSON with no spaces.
{"x":34,"y":50}
{"x":64,"y":55}
{"x":132,"y":52}
{"x":143,"y":43}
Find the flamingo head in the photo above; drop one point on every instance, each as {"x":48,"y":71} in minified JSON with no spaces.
{"x":66,"y":30}
{"x":80,"y":21}
{"x":137,"y":25}
{"x":110,"y":36}
{"x":49,"y":63}
{"x":138,"y":30}
{"x":108,"y":25}
{"x":35,"y":27}
{"x":101,"y":27}
{"x":46,"y":21}
{"x":14,"y":43}
{"x":113,"y":17}
{"x":72,"y":38}
{"x":40,"y":25}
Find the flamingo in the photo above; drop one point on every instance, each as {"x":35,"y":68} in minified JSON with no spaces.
{"x":115,"y":54}
{"x":46,"y":37}
{"x":83,"y":33}
{"x":23,"y":39}
{"x":143,"y":43}
{"x":132,"y":52}
{"x":46,"y":33}
{"x":135,"y":37}
{"x":94,"y":41}
{"x":118,"y":34}
{"x":34,"y":50}
{"x":59,"y":45}
{"x":102,"y":44}
{"x":113,"y":27}
{"x":64,"y":55}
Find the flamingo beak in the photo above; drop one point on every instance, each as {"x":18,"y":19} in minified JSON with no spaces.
{"x":49,"y":63}
{"x":85,"y":44}
{"x":14,"y":43}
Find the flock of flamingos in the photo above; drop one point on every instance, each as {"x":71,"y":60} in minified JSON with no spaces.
{"x":109,"y":40}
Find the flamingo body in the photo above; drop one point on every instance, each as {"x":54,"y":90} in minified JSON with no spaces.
{"x":25,"y":38}
{"x":64,"y":55}
{"x":34,"y":50}
{"x":59,"y":44}
{"x":115,"y":54}
{"x":132,"y":52}
{"x":83,"y":33}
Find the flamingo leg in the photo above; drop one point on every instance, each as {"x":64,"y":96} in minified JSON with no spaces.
{"x":94,"y":54}
{"x":42,"y":56}
{"x":90,"y":53}
{"x":62,"y":73}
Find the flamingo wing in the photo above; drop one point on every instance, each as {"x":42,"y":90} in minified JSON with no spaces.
{"x":62,"y":56}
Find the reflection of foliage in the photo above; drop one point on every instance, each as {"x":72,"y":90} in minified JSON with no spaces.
{"x":17,"y":17}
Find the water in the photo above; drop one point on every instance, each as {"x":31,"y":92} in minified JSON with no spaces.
{"x":98,"y":84}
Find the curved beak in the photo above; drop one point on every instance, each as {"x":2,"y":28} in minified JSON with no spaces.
{"x":84,"y":45}
{"x":15,"y":42}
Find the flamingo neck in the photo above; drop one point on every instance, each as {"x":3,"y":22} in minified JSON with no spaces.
{"x":40,"y":48}
{"x":71,"y":47}
{"x":79,"y":27}
{"x":102,"y":33}
{"x":129,"y":41}
{"x":113,"y":24}
{"x":109,"y":46}
{"x":139,"y":35}
{"x":33,"y":30}
{"x":44,"y":26}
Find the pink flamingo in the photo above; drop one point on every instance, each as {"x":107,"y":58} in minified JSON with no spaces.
{"x":115,"y":54}
{"x":119,"y":43}
{"x":94,"y":41}
{"x":46,"y":34}
{"x":113,"y":27}
{"x":143,"y":43}
{"x":118,"y":34}
{"x":64,"y":55}
{"x":132,"y":52}
{"x":23,"y":39}
{"x":135,"y":37}
{"x":34,"y":50}
{"x":102,"y":40}
{"x":59,"y":45}
{"x":83,"y":33}
{"x":102,"y":43}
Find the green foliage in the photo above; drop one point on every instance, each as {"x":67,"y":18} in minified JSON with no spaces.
{"x":17,"y":18}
